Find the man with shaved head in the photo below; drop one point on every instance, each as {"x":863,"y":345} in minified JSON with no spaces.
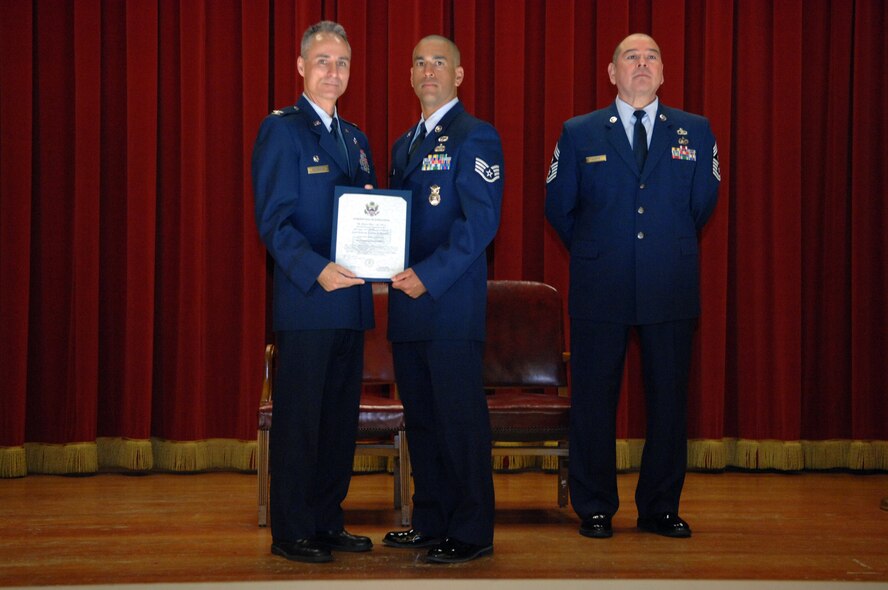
{"x":628,"y":190}
{"x":452,"y":164}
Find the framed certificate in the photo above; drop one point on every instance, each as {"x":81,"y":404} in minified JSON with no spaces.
{"x":371,"y":231}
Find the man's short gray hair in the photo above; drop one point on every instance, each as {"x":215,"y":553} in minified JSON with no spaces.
{"x":325,"y":26}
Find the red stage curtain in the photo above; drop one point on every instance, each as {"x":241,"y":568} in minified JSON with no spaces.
{"x":133,"y":286}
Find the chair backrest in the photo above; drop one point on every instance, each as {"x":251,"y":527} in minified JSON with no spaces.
{"x":525,"y":336}
{"x":378,"y":366}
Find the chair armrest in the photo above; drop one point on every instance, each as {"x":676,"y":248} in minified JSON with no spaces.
{"x":268,"y":374}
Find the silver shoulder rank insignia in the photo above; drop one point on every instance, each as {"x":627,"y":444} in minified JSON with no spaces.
{"x":277,"y":112}
{"x":716,"y":171}
{"x":435,"y":195}
{"x":662,"y":117}
{"x":553,"y":167}
{"x":681,"y":131}
{"x":355,"y":140}
{"x":613,"y":119}
{"x":486,"y":171}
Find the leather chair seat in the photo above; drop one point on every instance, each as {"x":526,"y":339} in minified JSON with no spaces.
{"x":378,"y":416}
{"x":520,"y":416}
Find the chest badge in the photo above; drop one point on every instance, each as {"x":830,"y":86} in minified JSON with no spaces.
{"x":434,"y":195}
{"x":364,"y":162}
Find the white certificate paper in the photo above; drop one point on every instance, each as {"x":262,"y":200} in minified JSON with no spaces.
{"x":371,"y":231}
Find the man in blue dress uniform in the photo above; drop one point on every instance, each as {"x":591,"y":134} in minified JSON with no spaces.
{"x":628,"y":189}
{"x":452,"y":163}
{"x":321,"y":309}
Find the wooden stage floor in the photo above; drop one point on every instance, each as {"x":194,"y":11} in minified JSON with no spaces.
{"x":163,"y":528}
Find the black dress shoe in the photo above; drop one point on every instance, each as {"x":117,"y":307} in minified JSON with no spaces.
{"x":668,"y":524}
{"x":343,"y":541}
{"x":302,"y":550}
{"x":597,"y":526}
{"x":411,"y":539}
{"x":453,"y":551}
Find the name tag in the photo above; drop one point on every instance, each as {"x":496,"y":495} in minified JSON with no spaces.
{"x":318,"y":169}
{"x":593,"y":159}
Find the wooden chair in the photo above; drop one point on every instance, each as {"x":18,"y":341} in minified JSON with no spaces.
{"x":525,"y":370}
{"x":380,"y":419}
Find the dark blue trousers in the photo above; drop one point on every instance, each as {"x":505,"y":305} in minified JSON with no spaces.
{"x":317,"y":391}
{"x":448,"y":434}
{"x":598,"y":350}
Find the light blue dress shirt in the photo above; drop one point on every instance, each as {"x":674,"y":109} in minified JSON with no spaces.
{"x":326,"y":119}
{"x":436,"y":117}
{"x":627,"y":117}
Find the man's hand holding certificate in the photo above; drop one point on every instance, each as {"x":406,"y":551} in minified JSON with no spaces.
{"x":371,"y":231}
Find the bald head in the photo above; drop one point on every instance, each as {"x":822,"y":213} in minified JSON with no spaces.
{"x":628,"y":41}
{"x":454,"y":50}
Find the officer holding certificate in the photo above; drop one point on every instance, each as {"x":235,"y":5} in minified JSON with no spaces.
{"x":321,"y":308}
{"x":452,"y":164}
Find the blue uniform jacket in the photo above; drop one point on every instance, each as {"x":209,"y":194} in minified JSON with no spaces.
{"x":632,"y":234}
{"x":296,"y":164}
{"x":457,"y":185}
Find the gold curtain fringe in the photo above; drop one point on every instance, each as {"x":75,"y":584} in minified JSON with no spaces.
{"x":58,"y":459}
{"x":13,"y":462}
{"x":629,"y":453}
{"x":125,"y":453}
{"x":516,"y":462}
{"x":856,"y":455}
{"x":714,"y":455}
{"x":827,"y":454}
{"x":227,"y":454}
{"x":182,"y":456}
{"x":204,"y":455}
{"x":550,"y":463}
{"x":872,"y":455}
{"x":239,"y":455}
{"x":370,"y":464}
{"x":710,"y":455}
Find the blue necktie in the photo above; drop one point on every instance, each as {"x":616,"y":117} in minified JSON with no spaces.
{"x":640,"y":141}
{"x":337,"y":135}
{"x":417,"y":140}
